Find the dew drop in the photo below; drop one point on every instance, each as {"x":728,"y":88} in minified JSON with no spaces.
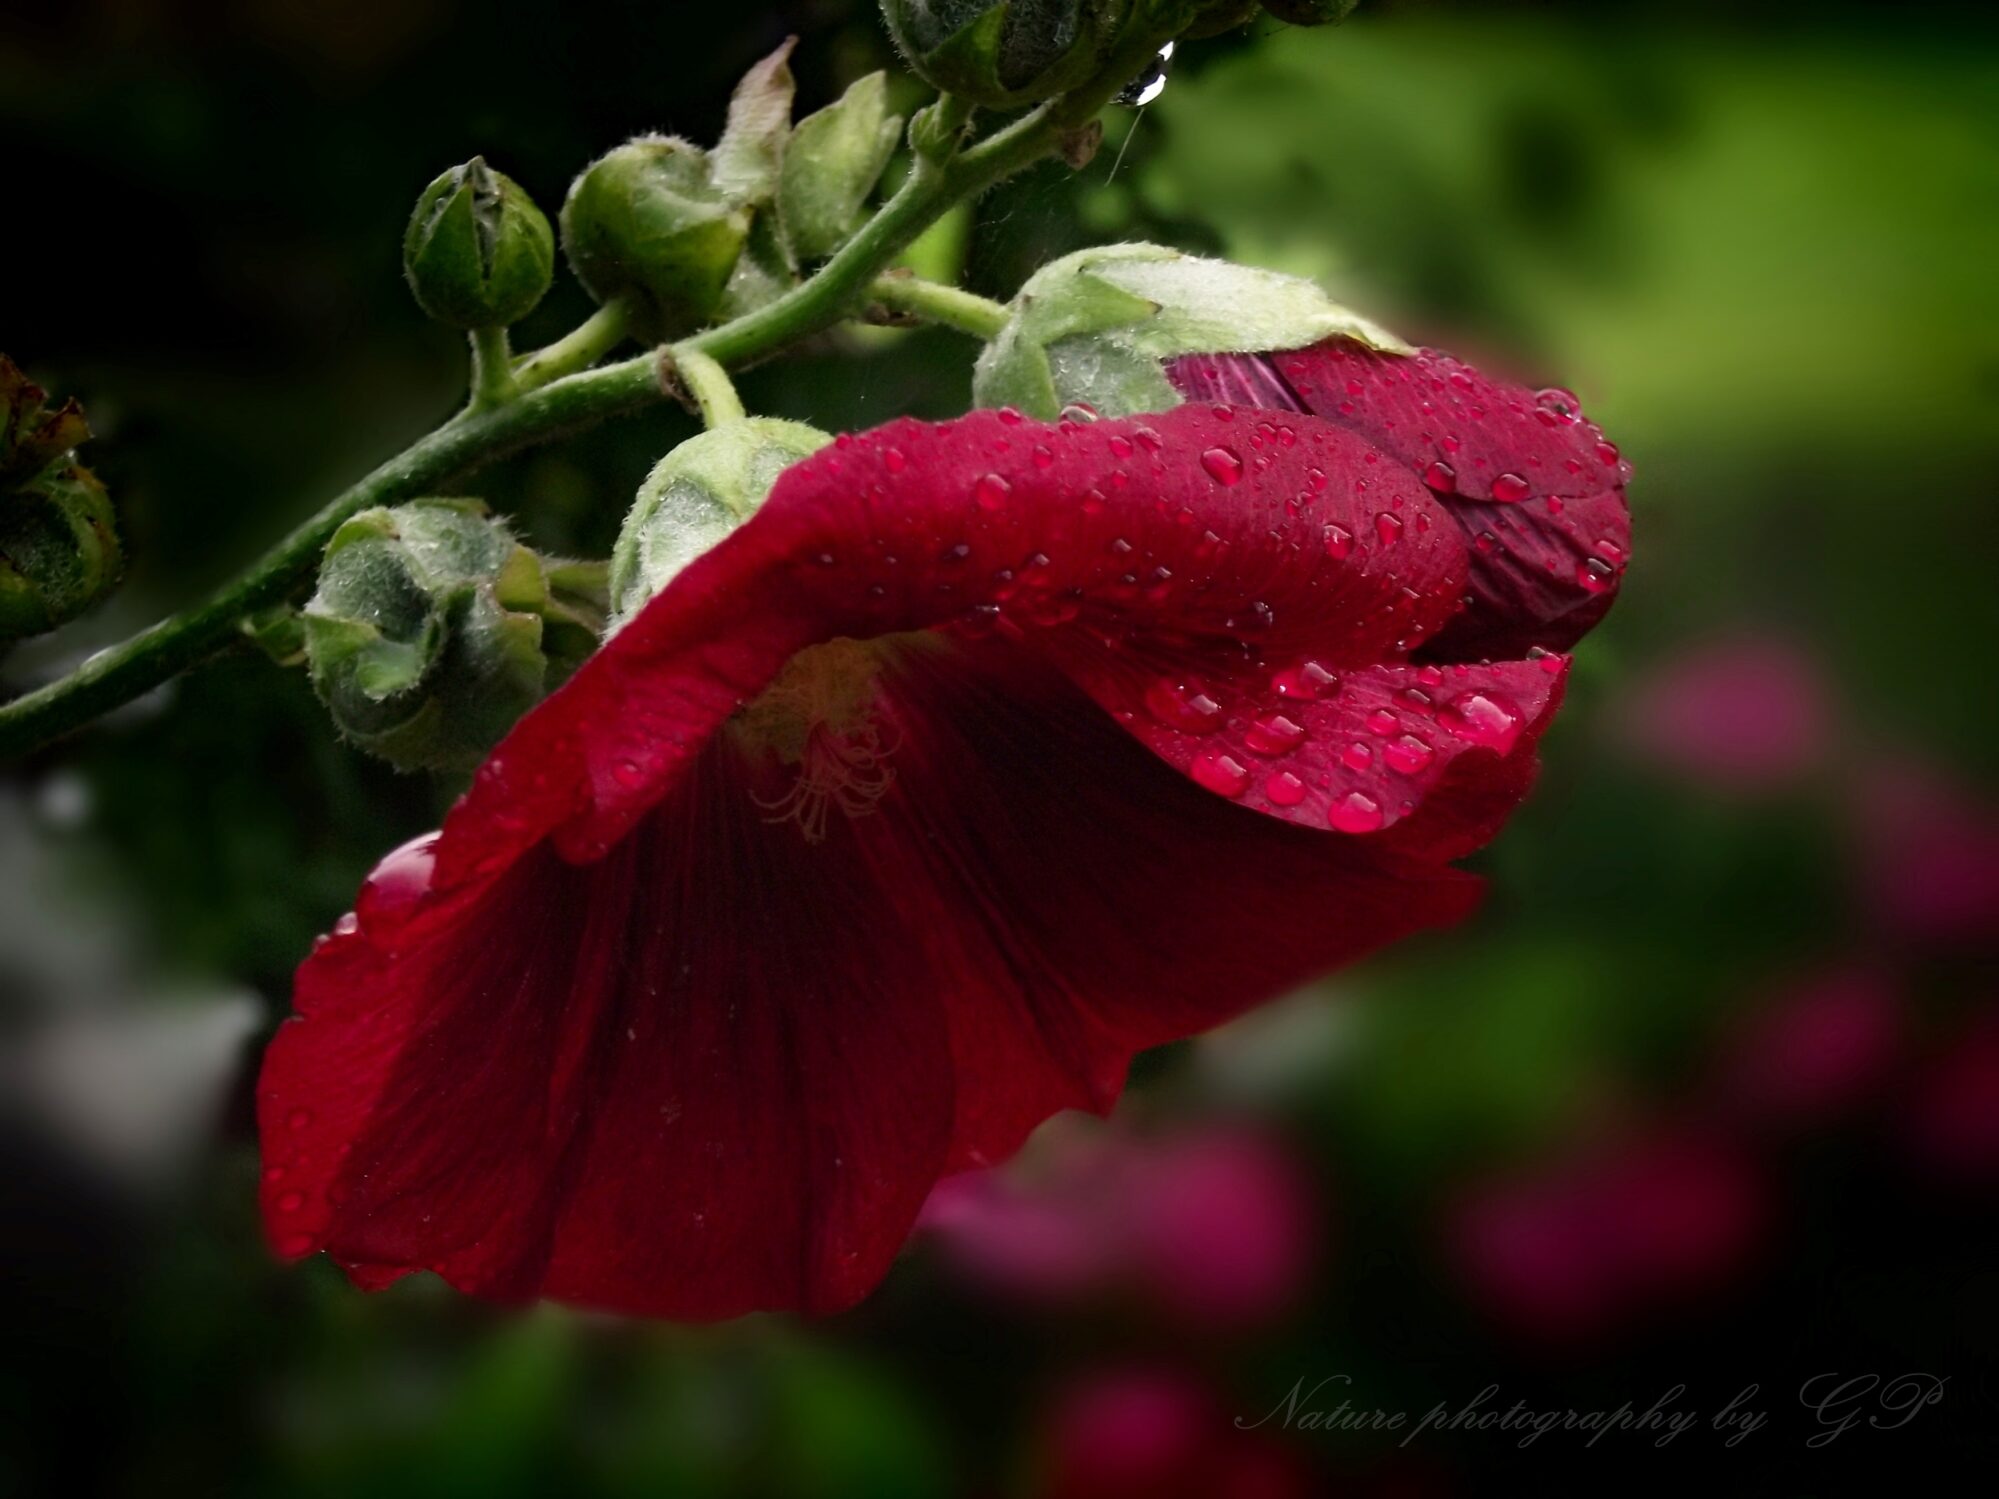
{"x":1509,"y":488}
{"x":1223,"y":466}
{"x":991,"y":492}
{"x":1339,"y":543}
{"x":1043,"y":458}
{"x":1357,"y":756}
{"x":1381,"y":721}
{"x":1356,"y":812}
{"x":1407,"y":755}
{"x":1441,"y":476}
{"x":1596,"y":575}
{"x":1183,"y":705}
{"x":291,"y":1202}
{"x":1220,"y":773}
{"x":1284,"y":789}
{"x":1120,"y":445}
{"x":1010,"y":415}
{"x":1274,"y":734}
{"x":894,"y":460}
{"x":1388,"y":527}
{"x":1483,"y":720}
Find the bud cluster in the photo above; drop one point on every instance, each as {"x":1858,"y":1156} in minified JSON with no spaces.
{"x":59,"y":549}
{"x":684,"y":235}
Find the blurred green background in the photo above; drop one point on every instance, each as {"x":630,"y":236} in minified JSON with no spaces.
{"x":1730,"y":1001}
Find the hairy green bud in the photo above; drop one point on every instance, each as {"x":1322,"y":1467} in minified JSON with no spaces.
{"x":59,"y":549}
{"x":478,"y":253}
{"x":696,"y":495}
{"x":433,"y":630}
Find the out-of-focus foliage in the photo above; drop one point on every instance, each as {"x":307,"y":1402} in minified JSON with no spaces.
{"x":1760,"y":248}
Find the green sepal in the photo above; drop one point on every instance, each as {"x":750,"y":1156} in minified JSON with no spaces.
{"x":696,"y":495}
{"x":1098,"y":325}
{"x":432,"y":630}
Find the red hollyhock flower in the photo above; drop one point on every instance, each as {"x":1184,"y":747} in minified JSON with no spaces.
{"x":1536,"y":488}
{"x":983,"y":756}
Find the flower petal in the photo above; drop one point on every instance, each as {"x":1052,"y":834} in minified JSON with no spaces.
{"x":719,"y":1067}
{"x":1535,"y":486}
{"x":1192,"y":546}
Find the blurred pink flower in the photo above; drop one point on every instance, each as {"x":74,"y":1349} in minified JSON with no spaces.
{"x":1586,"y":1246}
{"x":1930,"y":854}
{"x":1748,"y":713}
{"x":1953,"y":1119}
{"x":1815,"y":1050}
{"x":1159,"y":1434}
{"x":1215,"y":1228}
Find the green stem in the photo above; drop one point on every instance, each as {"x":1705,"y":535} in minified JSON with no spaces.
{"x":705,"y":380}
{"x":550,"y":401}
{"x":492,"y":368}
{"x":580,"y":348}
{"x":949,"y":306}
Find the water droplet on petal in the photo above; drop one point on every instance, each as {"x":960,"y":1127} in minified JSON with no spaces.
{"x":1380,"y":721}
{"x":291,"y":1202}
{"x":1596,"y":575}
{"x":1274,"y":734}
{"x":1483,"y":720}
{"x":1357,"y":756}
{"x":1223,"y":466}
{"x":1284,"y":789}
{"x":1356,"y":812}
{"x":1509,"y":489}
{"x":1388,"y":527}
{"x":894,"y":460}
{"x":1407,"y":755}
{"x":1441,"y":476}
{"x":1010,"y":415}
{"x":991,"y":492}
{"x":1183,"y":705}
{"x":1339,"y":543}
{"x":1220,"y":773}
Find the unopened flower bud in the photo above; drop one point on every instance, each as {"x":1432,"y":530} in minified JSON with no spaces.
{"x":1097,"y":326}
{"x":478,"y":253}
{"x":696,"y":495}
{"x":59,"y":549}
{"x":433,"y":630}
{"x":649,"y":223}
{"x":1006,"y":53}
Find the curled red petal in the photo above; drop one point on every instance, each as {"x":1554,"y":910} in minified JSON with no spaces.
{"x":674,"y":1017}
{"x":1535,"y":486}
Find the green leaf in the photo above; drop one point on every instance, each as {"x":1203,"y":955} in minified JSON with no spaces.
{"x":750,"y":155}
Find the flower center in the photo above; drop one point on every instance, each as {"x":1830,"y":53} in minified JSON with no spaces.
{"x":822,"y":715}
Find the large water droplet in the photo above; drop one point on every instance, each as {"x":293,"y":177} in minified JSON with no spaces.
{"x":1596,"y":575}
{"x":1356,"y":812}
{"x":1407,"y":755}
{"x":1223,"y":466}
{"x":1388,"y":527}
{"x":1220,"y":773}
{"x":1509,"y":489}
{"x":1483,"y":720}
{"x":1339,"y":543}
{"x":992,"y":492}
{"x":1441,"y":476}
{"x":1284,"y":789}
{"x":1274,"y":734}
